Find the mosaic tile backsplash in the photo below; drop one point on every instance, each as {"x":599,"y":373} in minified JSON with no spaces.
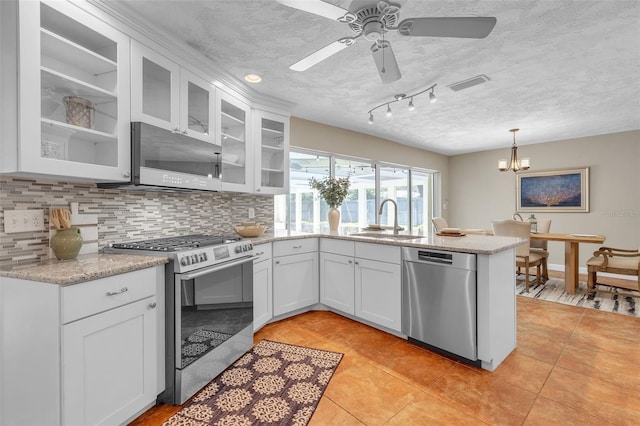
{"x":123,"y":214}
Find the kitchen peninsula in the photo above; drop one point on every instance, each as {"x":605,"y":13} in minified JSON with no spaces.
{"x":495,"y":266}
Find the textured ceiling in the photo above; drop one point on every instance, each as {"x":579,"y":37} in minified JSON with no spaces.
{"x":558,"y":69}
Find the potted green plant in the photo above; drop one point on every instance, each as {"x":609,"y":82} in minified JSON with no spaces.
{"x":333,"y":191}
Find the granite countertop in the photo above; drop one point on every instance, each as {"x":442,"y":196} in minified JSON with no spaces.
{"x":470,"y":243}
{"x":94,"y":266}
{"x":85,"y":268}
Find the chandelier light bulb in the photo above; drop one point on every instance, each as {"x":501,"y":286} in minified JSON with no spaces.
{"x":389,"y":113}
{"x":411,"y":106}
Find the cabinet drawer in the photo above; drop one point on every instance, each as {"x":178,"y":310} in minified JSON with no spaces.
{"x":330,"y":245}
{"x":288,"y":247}
{"x":262,"y":252}
{"x":380,"y":252}
{"x":86,"y":299}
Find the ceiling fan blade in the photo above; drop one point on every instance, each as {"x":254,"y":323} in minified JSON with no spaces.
{"x":322,"y":54}
{"x":317,"y":7}
{"x":385,"y":62}
{"x":465,"y":27}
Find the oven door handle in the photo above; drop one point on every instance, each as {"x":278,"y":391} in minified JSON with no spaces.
{"x":214,"y":268}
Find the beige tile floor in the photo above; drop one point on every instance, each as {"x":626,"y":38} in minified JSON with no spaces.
{"x":572,"y":366}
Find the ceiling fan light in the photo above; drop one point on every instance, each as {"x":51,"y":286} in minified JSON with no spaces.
{"x":411,"y":106}
{"x":389,"y":113}
{"x":432,"y":97}
{"x":370,"y":118}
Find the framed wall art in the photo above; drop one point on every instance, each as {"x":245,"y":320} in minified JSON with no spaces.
{"x":553,"y":191}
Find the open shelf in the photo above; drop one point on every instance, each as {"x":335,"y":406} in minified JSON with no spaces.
{"x":61,"y":83}
{"x":65,"y":130}
{"x":71,"y":53}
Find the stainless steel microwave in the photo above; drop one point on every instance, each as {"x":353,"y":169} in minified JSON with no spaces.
{"x":165,"y":160}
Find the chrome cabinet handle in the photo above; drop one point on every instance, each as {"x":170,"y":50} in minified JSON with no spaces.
{"x":350,"y":262}
{"x":260,"y":254}
{"x":152,"y":305}
{"x":126,"y":174}
{"x":277,"y":262}
{"x":176,"y":130}
{"x":297,"y":246}
{"x":357,"y":263}
{"x":113,"y":293}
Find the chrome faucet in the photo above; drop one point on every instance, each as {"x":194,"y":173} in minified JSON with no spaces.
{"x":395,"y":214}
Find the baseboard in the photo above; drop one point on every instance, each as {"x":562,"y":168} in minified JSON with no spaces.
{"x":583,"y":270}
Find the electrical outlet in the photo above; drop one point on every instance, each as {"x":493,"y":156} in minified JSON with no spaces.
{"x":252,"y":213}
{"x":23,"y":221}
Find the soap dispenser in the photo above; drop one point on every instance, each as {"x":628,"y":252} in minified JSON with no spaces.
{"x":534,"y":224}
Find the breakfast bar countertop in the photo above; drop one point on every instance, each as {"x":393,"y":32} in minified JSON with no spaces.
{"x":85,"y":268}
{"x":470,"y":243}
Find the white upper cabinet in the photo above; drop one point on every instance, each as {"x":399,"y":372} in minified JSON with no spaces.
{"x":234,"y":134}
{"x":170,"y":97}
{"x":271,"y":153}
{"x":73,"y":94}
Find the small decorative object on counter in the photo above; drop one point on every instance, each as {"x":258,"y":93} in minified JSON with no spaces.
{"x":333,"y":192}
{"x":247,"y":231}
{"x":67,"y":241}
{"x":534,"y":224}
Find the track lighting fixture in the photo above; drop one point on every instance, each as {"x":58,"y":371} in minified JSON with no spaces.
{"x":401,"y":97}
{"x":514,"y":164}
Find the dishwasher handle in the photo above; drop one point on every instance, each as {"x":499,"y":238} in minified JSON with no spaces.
{"x":435,"y":257}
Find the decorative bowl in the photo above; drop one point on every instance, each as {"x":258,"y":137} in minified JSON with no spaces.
{"x":250,"y":230}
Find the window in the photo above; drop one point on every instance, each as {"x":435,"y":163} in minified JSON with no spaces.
{"x":302,"y":209}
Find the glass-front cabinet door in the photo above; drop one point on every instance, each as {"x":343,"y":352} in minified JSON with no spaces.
{"x":73,"y":94}
{"x":169,"y":96}
{"x":155,"y":88}
{"x":197,"y":107}
{"x":234,"y":136}
{"x":271,"y":153}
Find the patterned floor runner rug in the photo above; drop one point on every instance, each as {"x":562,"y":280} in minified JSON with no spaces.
{"x":620,"y":302}
{"x":272,"y":384}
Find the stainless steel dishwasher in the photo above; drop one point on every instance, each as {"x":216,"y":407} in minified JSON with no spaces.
{"x":439,"y":301}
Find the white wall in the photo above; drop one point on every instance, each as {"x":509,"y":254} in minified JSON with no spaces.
{"x":480,"y":193}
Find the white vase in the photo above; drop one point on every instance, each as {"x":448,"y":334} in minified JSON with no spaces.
{"x":334,"y":219}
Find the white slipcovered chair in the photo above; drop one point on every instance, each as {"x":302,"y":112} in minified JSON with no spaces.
{"x":524,"y":257}
{"x":440,"y":223}
{"x":540,"y":246}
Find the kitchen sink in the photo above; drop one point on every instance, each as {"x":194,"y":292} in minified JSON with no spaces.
{"x":379,"y":235}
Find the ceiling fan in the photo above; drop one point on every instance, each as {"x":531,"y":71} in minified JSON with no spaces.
{"x":374,"y":21}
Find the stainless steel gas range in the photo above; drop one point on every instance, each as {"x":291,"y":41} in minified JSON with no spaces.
{"x":208,"y":306}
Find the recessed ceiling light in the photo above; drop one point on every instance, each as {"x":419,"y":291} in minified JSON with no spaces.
{"x":253,"y":78}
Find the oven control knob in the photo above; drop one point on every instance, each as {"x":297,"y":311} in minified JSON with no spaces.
{"x":238,"y":249}
{"x":203,"y":257}
{"x":184,"y":261}
{"x":194,"y":258}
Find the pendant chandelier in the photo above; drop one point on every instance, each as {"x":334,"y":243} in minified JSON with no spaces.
{"x":514,"y":164}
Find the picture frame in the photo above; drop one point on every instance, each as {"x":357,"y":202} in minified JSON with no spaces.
{"x":553,"y":191}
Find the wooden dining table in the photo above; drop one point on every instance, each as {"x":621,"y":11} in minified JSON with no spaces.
{"x":571,"y":254}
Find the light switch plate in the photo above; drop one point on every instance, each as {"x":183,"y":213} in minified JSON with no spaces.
{"x":23,"y":221}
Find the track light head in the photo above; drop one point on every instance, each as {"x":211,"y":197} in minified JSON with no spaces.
{"x":389,"y":113}
{"x":432,"y":97}
{"x":411,"y":106}
{"x":370,"y":118}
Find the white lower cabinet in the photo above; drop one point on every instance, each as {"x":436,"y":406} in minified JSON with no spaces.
{"x":362,"y":279}
{"x":337,"y":268}
{"x":378,"y":284}
{"x":295,"y":275}
{"x":87,"y":353}
{"x":262,"y":286}
{"x":109,"y":365}
{"x":379,"y":293}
